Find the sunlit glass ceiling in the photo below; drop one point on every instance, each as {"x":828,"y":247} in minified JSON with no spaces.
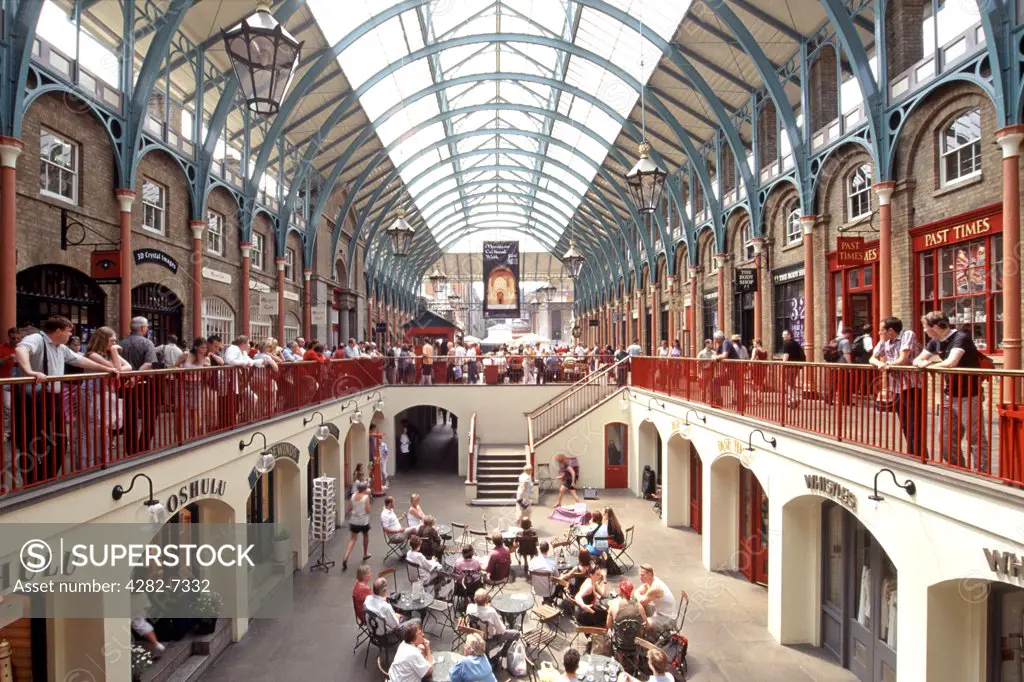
{"x":452,"y":183}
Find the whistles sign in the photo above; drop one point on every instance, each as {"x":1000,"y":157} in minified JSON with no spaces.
{"x":967,"y":226}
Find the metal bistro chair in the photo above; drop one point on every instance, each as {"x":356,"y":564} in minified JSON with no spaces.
{"x":392,"y":574}
{"x":396,"y":548}
{"x":460,"y":538}
{"x":617,"y":554}
{"x":380,"y":636}
{"x":463,"y":631}
{"x":480,"y":540}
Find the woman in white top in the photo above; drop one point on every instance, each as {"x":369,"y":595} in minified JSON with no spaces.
{"x":416,"y":513}
{"x":663,"y":350}
{"x":404,"y":449}
{"x":358,"y":522}
{"x":102,"y":401}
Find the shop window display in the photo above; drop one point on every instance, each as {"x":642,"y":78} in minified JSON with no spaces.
{"x":965,"y":282}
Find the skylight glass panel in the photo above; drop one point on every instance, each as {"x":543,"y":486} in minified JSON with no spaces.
{"x":373,"y":51}
{"x":447,"y":14}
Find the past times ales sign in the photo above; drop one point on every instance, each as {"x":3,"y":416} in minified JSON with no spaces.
{"x":850,"y":251}
{"x":501,"y":280}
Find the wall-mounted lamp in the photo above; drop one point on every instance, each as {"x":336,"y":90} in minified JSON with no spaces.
{"x":379,"y":405}
{"x":766,"y":439}
{"x":653,"y":401}
{"x":357,"y":416}
{"x":265,"y":462}
{"x":909,"y":486}
{"x":154,"y":511}
{"x":686,"y":431}
{"x":320,"y":432}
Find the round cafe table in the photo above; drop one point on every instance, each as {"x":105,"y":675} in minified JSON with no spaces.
{"x":409,"y":603}
{"x":443,"y":663}
{"x":444,"y":530}
{"x":513,"y":606}
{"x":598,"y":669}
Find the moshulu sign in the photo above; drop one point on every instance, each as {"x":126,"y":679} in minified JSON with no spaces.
{"x":268,"y":304}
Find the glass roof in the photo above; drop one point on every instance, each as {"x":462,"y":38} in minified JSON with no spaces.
{"x":448,"y":167}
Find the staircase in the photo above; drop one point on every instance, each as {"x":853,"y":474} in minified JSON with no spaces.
{"x":567,"y":406}
{"x":497,"y":474}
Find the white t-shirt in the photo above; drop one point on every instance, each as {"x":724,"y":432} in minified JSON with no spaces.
{"x":383,"y":450}
{"x":542,"y":563}
{"x":525,"y":491}
{"x":389,"y":520}
{"x":409,"y":664}
{"x":359,"y":516}
{"x":489,"y":617}
{"x":404,"y":444}
{"x":665,"y":605}
{"x":667,"y":677}
{"x":424,"y":567}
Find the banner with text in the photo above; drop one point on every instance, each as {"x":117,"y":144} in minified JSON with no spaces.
{"x":501,"y":280}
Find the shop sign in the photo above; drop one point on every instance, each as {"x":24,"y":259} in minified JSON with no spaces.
{"x":850,"y":251}
{"x":595,"y":323}
{"x":730,"y":446}
{"x":291,"y":296}
{"x":712,"y":296}
{"x":1004,"y":564}
{"x":746,"y":280}
{"x":217,"y":275}
{"x":318,"y":315}
{"x":788,"y":274}
{"x":106,"y":267}
{"x":259,"y":286}
{"x":155,"y":256}
{"x":962,"y":228}
{"x":193,"y":490}
{"x":268,"y":304}
{"x":831,"y":489}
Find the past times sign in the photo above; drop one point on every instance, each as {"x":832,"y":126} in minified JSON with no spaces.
{"x":501,"y":280}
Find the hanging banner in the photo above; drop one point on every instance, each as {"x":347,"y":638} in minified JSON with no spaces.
{"x":746,"y":280}
{"x":501,"y":280}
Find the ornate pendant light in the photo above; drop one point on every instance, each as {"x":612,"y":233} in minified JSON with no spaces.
{"x":400,"y":234}
{"x":265,"y":57}
{"x":573,"y":259}
{"x":645,"y":180}
{"x":438,"y":280}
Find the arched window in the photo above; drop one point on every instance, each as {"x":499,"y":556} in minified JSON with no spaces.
{"x":259,"y":325}
{"x":858,"y":193}
{"x":218,"y":318}
{"x":960,"y":148}
{"x":291,"y":328}
{"x":794,"y":232}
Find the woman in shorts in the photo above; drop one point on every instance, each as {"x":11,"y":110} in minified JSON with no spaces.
{"x":358,"y":521}
{"x":568,"y":475}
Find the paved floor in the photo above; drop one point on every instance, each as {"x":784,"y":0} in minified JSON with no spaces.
{"x":726,"y":624}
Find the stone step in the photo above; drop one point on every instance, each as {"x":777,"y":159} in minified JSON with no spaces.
{"x":489,"y":502}
{"x":192,"y":670}
{"x":186,"y":660}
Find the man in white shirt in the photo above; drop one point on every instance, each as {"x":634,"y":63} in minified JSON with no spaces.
{"x":413,"y":660}
{"x":238,"y":354}
{"x":524,"y":492}
{"x":494,"y":627}
{"x":657,"y":599}
{"x":543,"y":562}
{"x":426,"y":569}
{"x":380,"y":606}
{"x":391,"y":525}
{"x":351,"y":350}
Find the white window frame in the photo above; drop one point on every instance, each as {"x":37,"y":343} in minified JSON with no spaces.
{"x":858,"y":199}
{"x":289,"y":264}
{"x":214,"y":233}
{"x":747,"y":233}
{"x":159,"y":210}
{"x":291,"y":327}
{"x":257,"y":255}
{"x":218,"y":318}
{"x":973,"y":148}
{"x":261,"y":327}
{"x":794,"y":236}
{"x":51,"y":166}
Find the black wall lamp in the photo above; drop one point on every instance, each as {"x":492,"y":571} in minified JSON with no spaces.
{"x":686,"y":431}
{"x":320,"y":432}
{"x":357,"y":416}
{"x":909,"y":486}
{"x":766,"y":439}
{"x":265,"y":463}
{"x":154,"y":510}
{"x":653,"y":401}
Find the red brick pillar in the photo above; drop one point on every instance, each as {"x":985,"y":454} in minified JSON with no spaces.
{"x":1009,"y":139}
{"x":307,"y":307}
{"x":693,"y":312}
{"x":758,"y":261}
{"x":279,"y":262}
{"x":125,"y":199}
{"x":246,"y":301}
{"x":655,"y":330}
{"x":807,"y":222}
{"x":369,"y":317}
{"x":720,"y":259}
{"x":673,"y":331}
{"x":884,"y":191}
{"x":197,"y":280}
{"x":10,"y":150}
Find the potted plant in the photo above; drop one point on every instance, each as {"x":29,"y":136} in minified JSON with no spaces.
{"x":282,"y":545}
{"x":207,"y":607}
{"x":141,"y":660}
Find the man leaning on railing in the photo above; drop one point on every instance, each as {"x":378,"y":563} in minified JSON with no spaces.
{"x":897,"y":348}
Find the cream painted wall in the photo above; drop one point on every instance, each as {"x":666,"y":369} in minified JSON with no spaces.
{"x":584,"y":439}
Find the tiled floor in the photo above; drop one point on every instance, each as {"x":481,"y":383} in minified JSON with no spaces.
{"x":726,"y":624}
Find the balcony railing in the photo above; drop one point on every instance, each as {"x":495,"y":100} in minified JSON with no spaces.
{"x":579,"y":398}
{"x":970,"y":420}
{"x":64,"y":426}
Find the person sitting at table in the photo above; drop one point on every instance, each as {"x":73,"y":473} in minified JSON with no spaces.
{"x":413,"y":659}
{"x":415,"y":515}
{"x":597,"y":535}
{"x":578,"y":573}
{"x":657,"y":600}
{"x":626,"y":619}
{"x":469,"y":573}
{"x":379,"y":605}
{"x":589,"y":611}
{"x":361,"y":590}
{"x":433,"y":545}
{"x":526,"y":542}
{"x":426,"y":569}
{"x":543,"y":562}
{"x":391,"y":525}
{"x":474,"y":666}
{"x":570,"y":663}
{"x":499,"y":562}
{"x":616,"y":536}
{"x":657,"y":662}
{"x":488,"y":618}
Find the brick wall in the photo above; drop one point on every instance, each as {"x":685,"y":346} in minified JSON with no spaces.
{"x":824,"y":89}
{"x":903,"y":34}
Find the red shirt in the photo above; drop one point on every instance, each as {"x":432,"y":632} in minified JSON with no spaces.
{"x":339,"y":354}
{"x":7,"y":350}
{"x":360,"y":591}
{"x":314,"y":356}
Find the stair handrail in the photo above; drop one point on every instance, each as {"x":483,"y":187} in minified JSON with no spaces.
{"x":567,"y":395}
{"x":471,"y":469}
{"x":578,"y":382}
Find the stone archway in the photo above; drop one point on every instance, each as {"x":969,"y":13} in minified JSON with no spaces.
{"x":675,"y":485}
{"x":648,"y":453}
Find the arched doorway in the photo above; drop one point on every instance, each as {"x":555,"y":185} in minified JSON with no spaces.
{"x":161,"y":307}
{"x":681,"y":492}
{"x":48,"y":290}
{"x":616,"y":454}
{"x":433,"y":440}
{"x":696,"y":486}
{"x":648,"y":452}
{"x":753,"y":516}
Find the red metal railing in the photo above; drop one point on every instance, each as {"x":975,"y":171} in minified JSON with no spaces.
{"x":471,"y":469}
{"x":63,"y":426}
{"x":508,"y":369}
{"x":580,"y":397}
{"x":972,"y":420}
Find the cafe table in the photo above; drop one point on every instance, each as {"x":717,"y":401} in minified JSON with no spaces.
{"x":443,"y":663}
{"x":513,"y":606}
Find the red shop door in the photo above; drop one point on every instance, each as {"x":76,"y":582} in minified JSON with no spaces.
{"x":753,"y":529}
{"x":616,"y":456}
{"x":696,"y":490}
